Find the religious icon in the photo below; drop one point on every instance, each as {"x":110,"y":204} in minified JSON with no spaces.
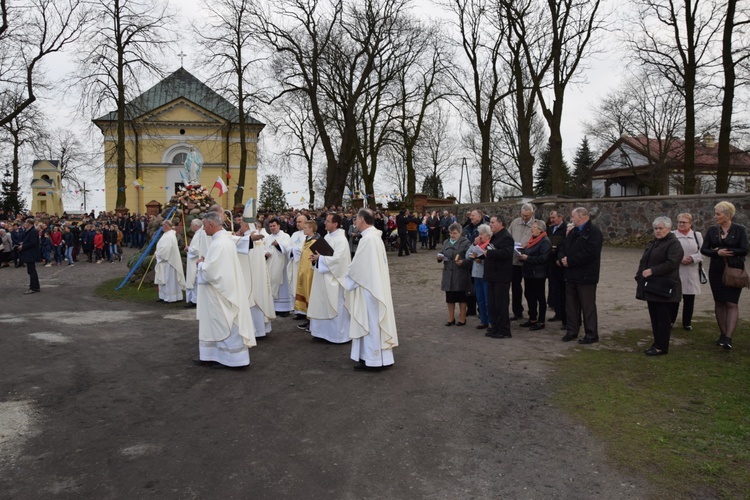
{"x":193,"y":168}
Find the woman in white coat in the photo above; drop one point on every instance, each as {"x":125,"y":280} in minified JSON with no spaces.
{"x":691,"y":242}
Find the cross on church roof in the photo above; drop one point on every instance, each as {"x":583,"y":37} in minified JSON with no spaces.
{"x":182,"y":56}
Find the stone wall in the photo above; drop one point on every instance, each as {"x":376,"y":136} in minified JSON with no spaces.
{"x":621,"y":218}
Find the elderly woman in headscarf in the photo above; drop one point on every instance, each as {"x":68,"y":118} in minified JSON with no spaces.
{"x":658,"y":279}
{"x":456,"y":278}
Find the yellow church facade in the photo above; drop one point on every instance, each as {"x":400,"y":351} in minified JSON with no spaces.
{"x":163,"y":124}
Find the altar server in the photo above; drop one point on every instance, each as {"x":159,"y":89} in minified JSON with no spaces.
{"x":278,"y":255}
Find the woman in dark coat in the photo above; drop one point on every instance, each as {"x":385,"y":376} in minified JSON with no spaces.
{"x":456,"y":273}
{"x":725,"y":242}
{"x":659,"y":284}
{"x":535,"y":260}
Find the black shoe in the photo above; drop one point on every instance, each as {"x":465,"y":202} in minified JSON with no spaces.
{"x":588,"y":340}
{"x":304,"y":326}
{"x":191,"y":305}
{"x":728,"y":343}
{"x":482,"y":327}
{"x":450,"y":323}
{"x":536,"y":326}
{"x":554,"y":318}
{"x":498,"y":335}
{"x":720,"y":341}
{"x":653,"y":351}
{"x":526,"y":324}
{"x":282,"y":314}
{"x":361,"y":367}
{"x":688,"y":328}
{"x":490,"y":332}
{"x":299,"y":317}
{"x":461,"y":324}
{"x":516,"y":318}
{"x":569,"y":336}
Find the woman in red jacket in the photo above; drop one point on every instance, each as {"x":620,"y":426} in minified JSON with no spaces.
{"x":98,"y":245}
{"x":57,"y":238}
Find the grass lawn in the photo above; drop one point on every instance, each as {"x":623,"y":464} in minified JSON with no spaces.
{"x":681,"y":420}
{"x":148,"y":292}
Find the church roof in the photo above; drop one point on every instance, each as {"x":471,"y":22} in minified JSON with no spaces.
{"x":180,"y":84}
{"x":54,"y":163}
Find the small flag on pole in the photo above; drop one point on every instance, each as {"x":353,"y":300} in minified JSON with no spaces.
{"x":138,"y":183}
{"x":219,"y":184}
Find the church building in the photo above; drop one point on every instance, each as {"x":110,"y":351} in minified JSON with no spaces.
{"x":163,"y":125}
{"x":46,"y":187}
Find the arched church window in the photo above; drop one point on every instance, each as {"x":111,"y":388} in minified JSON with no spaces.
{"x":179,"y":159}
{"x":45,"y":177}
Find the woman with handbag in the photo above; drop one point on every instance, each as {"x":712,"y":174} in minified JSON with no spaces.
{"x":726,"y":243}
{"x":691,"y":269}
{"x":658,"y":281}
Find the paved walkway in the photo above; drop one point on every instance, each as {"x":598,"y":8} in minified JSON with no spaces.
{"x":99,"y":399}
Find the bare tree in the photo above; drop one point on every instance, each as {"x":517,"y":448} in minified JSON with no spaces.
{"x":19,"y":132}
{"x":438,"y":148}
{"x":554,"y":41}
{"x":674,"y":37}
{"x":121,"y":50}
{"x":295,"y":120}
{"x":735,"y":33}
{"x":76,"y":163}
{"x":327,"y":50}
{"x":30,"y":32}
{"x":226,"y":38}
{"x":421,"y":86}
{"x":482,"y":84}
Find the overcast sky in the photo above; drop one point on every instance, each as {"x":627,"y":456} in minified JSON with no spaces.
{"x":601,"y":73}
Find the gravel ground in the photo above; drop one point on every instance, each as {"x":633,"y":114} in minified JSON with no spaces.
{"x":99,"y":399}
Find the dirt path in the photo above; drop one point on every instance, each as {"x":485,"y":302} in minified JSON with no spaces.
{"x":99,"y":399}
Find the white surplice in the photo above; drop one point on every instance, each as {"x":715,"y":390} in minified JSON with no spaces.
{"x":225,"y":328}
{"x":369,"y":301}
{"x":168,"y":274}
{"x":329,"y":318}
{"x":278,"y":266}
{"x":261,"y":290}
{"x":243,"y":254}
{"x":197,"y":249}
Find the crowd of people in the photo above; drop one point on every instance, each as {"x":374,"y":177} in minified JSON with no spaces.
{"x":307,"y":264}
{"x":556,"y":264}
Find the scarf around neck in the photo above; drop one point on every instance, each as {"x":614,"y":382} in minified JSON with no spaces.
{"x":533,"y":241}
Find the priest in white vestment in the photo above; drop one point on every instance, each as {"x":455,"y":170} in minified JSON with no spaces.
{"x":168,"y":274}
{"x":329,"y":318}
{"x":225,"y":328}
{"x":253,"y":271}
{"x":263,"y":311}
{"x":368,"y":300}
{"x":197,"y":249}
{"x":278,"y":254}
{"x":297,"y":243}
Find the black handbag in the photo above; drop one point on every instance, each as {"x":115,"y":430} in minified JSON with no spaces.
{"x":659,"y":286}
{"x":701,"y":272}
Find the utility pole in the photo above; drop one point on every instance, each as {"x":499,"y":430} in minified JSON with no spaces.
{"x":464,"y":166}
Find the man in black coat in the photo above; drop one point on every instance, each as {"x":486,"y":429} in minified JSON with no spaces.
{"x":401,"y":221}
{"x":498,"y":273}
{"x":29,"y":254}
{"x":581,"y":258}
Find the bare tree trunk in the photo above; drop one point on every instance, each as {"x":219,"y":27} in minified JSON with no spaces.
{"x":727,"y":103}
{"x":121,"y":197}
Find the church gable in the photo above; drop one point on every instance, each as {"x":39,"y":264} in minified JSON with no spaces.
{"x":182,"y":111}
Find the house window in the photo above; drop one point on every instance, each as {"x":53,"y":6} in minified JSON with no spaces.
{"x":179,"y":159}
